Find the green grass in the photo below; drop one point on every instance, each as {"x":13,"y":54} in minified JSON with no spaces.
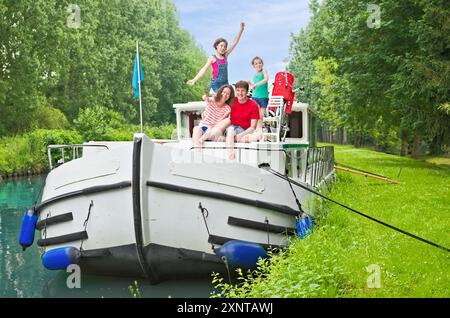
{"x":440,"y":161}
{"x":333,"y":261}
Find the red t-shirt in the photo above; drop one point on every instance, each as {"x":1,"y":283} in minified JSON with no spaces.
{"x":242,"y":114}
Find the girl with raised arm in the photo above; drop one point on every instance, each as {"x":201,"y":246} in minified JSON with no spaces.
{"x":219,"y":62}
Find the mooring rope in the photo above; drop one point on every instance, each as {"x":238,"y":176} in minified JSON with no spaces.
{"x":203,"y":210}
{"x":267,"y":167}
{"x":86,"y":222}
{"x":36,"y":198}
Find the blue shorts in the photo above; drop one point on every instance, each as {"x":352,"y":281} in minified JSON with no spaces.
{"x":262,"y":102}
{"x":203,"y":129}
{"x":238,"y":129}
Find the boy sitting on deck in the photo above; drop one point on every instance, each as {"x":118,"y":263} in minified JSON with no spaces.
{"x":244,"y":117}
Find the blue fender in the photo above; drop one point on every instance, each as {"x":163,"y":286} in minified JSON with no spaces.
{"x":26,"y":237}
{"x":241,"y":254}
{"x":305,"y":226}
{"x":60,"y":258}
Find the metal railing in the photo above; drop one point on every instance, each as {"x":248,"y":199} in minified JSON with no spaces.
{"x":310,"y":165}
{"x":63,"y":157}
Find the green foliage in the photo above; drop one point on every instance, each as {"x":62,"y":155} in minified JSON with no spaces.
{"x":445,"y":108}
{"x":49,"y":118}
{"x":46,"y":65}
{"x":28,"y":152}
{"x":134,"y":290}
{"x":93,"y":123}
{"x":307,"y":268}
{"x":14,"y":155}
{"x":167,"y":131}
{"x":334,"y":261}
{"x":121,"y":134}
{"x":385,"y":137}
{"x":328,"y":102}
{"x":102,"y":124}
{"x":398,"y":72}
{"x":125,"y":133}
{"x":41,"y":138}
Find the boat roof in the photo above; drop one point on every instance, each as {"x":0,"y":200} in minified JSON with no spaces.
{"x":200,"y":105}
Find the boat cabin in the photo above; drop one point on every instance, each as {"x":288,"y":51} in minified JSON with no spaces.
{"x":188,"y":115}
{"x":294,"y":154}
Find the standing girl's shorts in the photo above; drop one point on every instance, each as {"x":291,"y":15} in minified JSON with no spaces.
{"x":262,"y":102}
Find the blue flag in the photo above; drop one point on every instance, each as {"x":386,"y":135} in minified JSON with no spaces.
{"x":135,"y":81}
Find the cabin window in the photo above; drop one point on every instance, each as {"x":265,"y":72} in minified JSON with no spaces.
{"x":295,"y":125}
{"x":194,"y":119}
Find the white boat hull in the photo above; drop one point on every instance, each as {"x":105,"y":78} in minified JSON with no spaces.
{"x":134,"y":210}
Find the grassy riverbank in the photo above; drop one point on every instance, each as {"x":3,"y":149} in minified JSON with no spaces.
{"x":341,"y":258}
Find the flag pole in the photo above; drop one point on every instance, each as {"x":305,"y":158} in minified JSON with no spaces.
{"x":139,"y":83}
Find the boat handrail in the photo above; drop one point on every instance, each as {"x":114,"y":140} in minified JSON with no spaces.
{"x":311,"y":165}
{"x":74,"y":148}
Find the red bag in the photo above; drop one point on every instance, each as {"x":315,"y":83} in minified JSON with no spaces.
{"x":282,"y":86}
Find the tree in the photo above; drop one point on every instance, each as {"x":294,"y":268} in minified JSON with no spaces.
{"x":387,"y":82}
{"x":48,"y":61}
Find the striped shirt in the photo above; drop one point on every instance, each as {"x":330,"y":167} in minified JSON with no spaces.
{"x":213,"y":113}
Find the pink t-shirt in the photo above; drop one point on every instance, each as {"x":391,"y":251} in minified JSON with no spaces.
{"x":213,"y":113}
{"x":215,"y":66}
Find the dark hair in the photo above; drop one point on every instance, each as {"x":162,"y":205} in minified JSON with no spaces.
{"x":218,"y":96}
{"x":257,"y":58}
{"x":219,"y":40}
{"x":242,"y":84}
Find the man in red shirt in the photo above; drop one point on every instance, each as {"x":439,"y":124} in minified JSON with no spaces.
{"x":244,"y":117}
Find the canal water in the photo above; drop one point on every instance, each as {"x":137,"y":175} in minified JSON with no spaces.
{"x":22,"y":273}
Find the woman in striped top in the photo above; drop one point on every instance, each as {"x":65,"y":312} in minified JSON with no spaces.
{"x":217,"y":109}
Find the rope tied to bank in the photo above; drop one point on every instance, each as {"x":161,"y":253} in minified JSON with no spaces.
{"x":267,"y":167}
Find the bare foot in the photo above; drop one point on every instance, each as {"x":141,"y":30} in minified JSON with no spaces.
{"x":197,"y":145}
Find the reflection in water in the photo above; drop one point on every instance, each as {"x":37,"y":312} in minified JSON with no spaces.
{"x":102,"y":286}
{"x":22,"y":273}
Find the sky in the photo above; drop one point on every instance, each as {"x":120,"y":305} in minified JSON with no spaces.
{"x":268,"y":28}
